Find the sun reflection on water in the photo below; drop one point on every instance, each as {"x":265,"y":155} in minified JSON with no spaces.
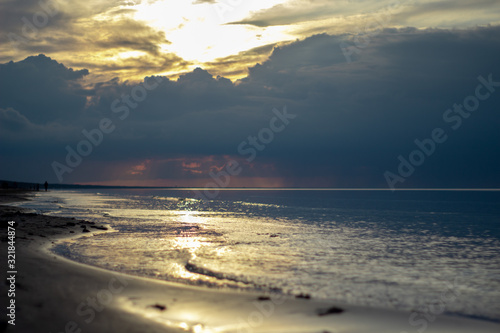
{"x":355,"y":256}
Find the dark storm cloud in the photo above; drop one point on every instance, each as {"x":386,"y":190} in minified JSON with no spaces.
{"x":13,"y":121}
{"x":42,"y":89}
{"x":353,"y":119}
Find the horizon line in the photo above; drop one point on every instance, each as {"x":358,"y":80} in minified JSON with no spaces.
{"x":58,"y":185}
{"x":294,"y":188}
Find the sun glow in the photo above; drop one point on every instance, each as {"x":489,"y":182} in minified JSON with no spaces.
{"x":199,"y":32}
{"x":130,"y":54}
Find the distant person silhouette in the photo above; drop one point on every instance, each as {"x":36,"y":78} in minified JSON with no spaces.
{"x":46,"y":185}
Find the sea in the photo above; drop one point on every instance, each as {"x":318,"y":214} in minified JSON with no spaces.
{"x":429,"y":251}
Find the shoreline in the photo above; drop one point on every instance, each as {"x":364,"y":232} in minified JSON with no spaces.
{"x":55,"y":294}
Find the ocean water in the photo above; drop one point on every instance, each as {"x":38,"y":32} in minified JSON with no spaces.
{"x":425,"y":251}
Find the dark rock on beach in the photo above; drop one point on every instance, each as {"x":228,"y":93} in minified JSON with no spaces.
{"x":331,"y":310}
{"x":98,"y":227}
{"x":160,"y":307}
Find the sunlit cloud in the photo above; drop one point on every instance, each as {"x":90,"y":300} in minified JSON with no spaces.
{"x":305,"y":17}
{"x":133,"y":39}
{"x":236,"y":66}
{"x":140,"y":168}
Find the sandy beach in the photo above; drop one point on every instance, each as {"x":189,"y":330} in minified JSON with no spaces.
{"x":53,"y":294}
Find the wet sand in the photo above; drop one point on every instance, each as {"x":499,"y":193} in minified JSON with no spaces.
{"x":53,"y":294}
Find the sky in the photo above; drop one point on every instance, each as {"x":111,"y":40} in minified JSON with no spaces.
{"x":223,"y":93}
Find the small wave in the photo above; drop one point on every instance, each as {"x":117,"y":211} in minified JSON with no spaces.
{"x":257,"y":204}
{"x":204,"y":271}
{"x":241,"y":281}
{"x":219,"y":276}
